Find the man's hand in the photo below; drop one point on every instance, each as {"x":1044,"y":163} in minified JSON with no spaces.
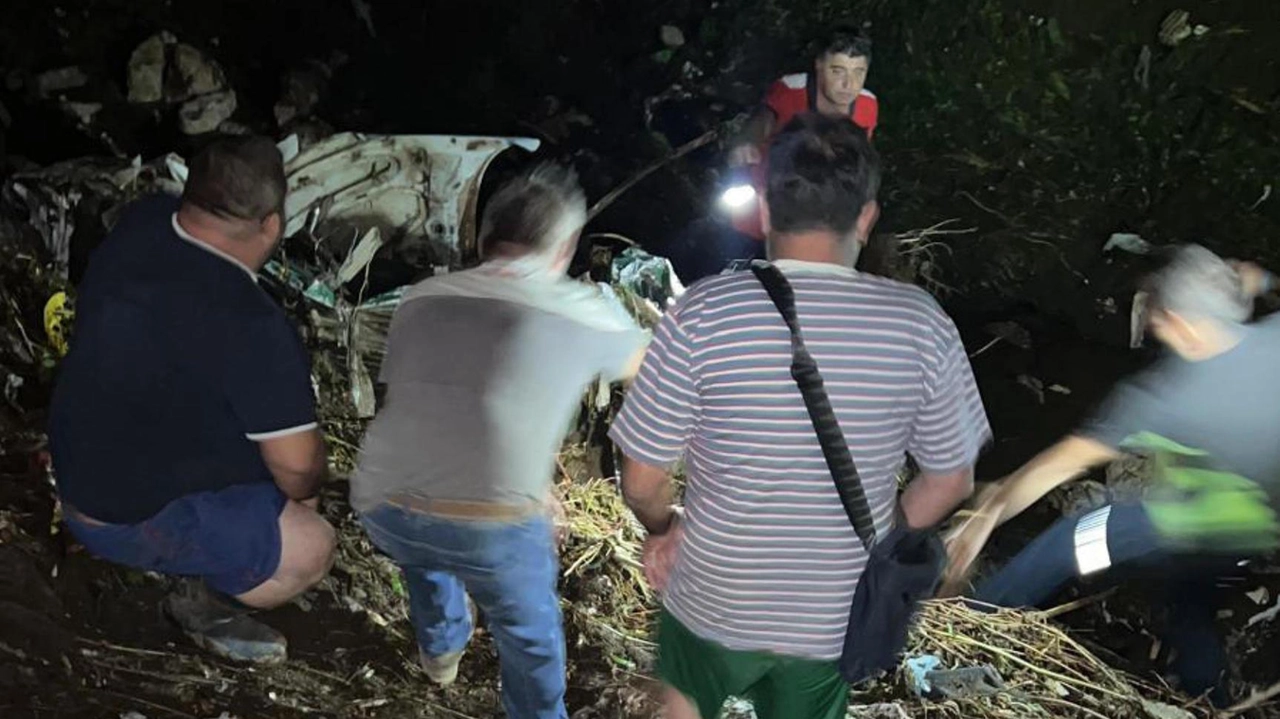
{"x":965,"y":542}
{"x":660,"y":552}
{"x":745,"y":154}
{"x":1254,"y":280}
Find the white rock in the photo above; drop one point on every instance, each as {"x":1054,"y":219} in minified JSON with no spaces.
{"x":205,"y":113}
{"x":671,"y":36}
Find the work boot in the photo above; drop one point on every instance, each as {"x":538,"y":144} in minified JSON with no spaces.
{"x":222,"y":626}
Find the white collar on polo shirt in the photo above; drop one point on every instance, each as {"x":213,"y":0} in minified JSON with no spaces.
{"x":210,"y":248}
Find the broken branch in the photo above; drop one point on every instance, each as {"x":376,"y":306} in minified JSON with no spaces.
{"x":705,"y":139}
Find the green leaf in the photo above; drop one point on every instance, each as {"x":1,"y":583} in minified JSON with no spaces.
{"x":1055,"y":32}
{"x":1059,"y":85}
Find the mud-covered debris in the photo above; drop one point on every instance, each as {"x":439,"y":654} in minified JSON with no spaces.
{"x":52,"y":82}
{"x":1160,"y":710}
{"x":197,"y":74}
{"x":206,"y":113}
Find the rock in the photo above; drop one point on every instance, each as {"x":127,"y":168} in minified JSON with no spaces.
{"x":206,"y":112}
{"x":54,"y":81}
{"x":197,"y":74}
{"x":671,"y":36}
{"x":146,"y":69}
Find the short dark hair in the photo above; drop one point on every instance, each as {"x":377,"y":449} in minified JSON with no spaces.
{"x":848,"y":40}
{"x":822,"y":171}
{"x":237,"y":178}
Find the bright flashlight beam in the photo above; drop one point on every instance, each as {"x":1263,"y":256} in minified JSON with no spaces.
{"x":738,"y":196}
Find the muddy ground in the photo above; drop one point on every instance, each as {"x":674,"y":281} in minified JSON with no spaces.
{"x":1037,"y":123}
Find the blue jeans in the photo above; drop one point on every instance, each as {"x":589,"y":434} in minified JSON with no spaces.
{"x":1134,"y":551}
{"x":510,"y":571}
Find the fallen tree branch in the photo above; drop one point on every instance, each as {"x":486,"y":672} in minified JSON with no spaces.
{"x":705,"y":139}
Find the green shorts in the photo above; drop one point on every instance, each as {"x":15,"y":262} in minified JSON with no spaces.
{"x":779,"y":687}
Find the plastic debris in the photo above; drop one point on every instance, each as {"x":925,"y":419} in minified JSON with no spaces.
{"x":1259,"y":596}
{"x":1128,"y":242}
{"x":928,"y":681}
{"x":918,"y":669}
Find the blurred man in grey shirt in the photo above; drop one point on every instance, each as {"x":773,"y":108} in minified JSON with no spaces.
{"x":484,"y":372}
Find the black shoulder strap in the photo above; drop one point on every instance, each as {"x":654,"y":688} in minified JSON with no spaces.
{"x":811,"y":90}
{"x":804,"y":370}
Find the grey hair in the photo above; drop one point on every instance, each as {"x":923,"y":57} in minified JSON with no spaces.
{"x":541,"y":210}
{"x":1197,"y":283}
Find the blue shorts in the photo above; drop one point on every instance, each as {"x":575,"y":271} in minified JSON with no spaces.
{"x":231,"y":537}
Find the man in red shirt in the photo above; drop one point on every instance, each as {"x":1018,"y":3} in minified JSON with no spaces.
{"x":836,"y":86}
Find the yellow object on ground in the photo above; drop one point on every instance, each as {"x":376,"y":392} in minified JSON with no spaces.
{"x":58,"y":314}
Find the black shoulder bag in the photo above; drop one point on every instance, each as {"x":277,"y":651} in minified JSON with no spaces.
{"x":903,"y":567}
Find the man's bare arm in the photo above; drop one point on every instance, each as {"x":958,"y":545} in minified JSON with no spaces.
{"x":297,"y":461}
{"x":648,"y":492}
{"x":1069,"y":458}
{"x":930,"y":498}
{"x":746,"y":145}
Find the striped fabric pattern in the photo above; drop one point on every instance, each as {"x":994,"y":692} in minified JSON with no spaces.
{"x":769,"y":560}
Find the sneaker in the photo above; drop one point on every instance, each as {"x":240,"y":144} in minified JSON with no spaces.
{"x":442,"y":670}
{"x":222,"y":628}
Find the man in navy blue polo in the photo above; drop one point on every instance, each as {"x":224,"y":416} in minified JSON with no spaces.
{"x":183,"y":427}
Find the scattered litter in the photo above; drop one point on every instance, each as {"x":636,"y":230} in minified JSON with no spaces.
{"x":1260,"y":596}
{"x":1128,"y":242}
{"x":671,"y":36}
{"x":1059,"y":389}
{"x":918,"y":669}
{"x":1175,"y":28}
